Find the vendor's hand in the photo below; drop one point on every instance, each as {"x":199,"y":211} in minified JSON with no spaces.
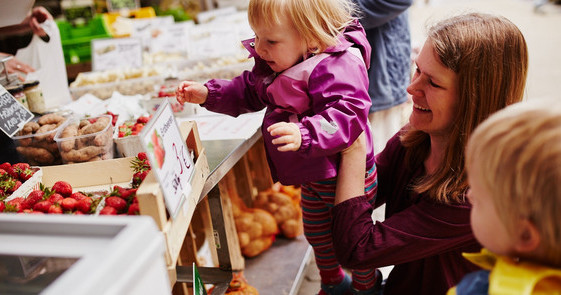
{"x":16,"y":66}
{"x":37,"y":16}
{"x":192,"y":92}
{"x":288,"y":136}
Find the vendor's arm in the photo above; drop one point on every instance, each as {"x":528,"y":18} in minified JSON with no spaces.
{"x":375,"y":13}
{"x":16,"y":66}
{"x":233,"y":97}
{"x":340,"y":105}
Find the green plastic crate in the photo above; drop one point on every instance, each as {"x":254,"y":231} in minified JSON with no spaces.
{"x":76,"y":40}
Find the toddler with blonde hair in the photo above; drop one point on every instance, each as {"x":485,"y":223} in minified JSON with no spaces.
{"x":514,"y":170}
{"x":311,"y":61}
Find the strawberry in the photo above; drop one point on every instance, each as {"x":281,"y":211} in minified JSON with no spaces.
{"x":142,"y":156}
{"x":2,"y":206}
{"x":56,"y":198}
{"x":25,"y":174}
{"x":138,"y":177}
{"x":143,"y":119}
{"x":55,"y":209}
{"x":85,"y":205}
{"x":68,"y":204}
{"x":108,"y":210}
{"x":123,"y":192}
{"x":134,"y":209}
{"x":78,"y":196}
{"x":78,"y":212}
{"x":42,"y":206}
{"x":2,"y":173}
{"x":63,"y":188}
{"x":10,"y":185}
{"x":8,"y":168}
{"x":116,"y":202}
{"x":33,"y":198}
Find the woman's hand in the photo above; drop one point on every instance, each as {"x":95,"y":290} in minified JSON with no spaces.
{"x":288,"y":136}
{"x":192,"y":92}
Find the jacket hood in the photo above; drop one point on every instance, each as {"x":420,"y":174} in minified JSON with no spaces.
{"x":353,"y":36}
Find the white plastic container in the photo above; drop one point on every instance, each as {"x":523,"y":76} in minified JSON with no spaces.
{"x":103,"y":255}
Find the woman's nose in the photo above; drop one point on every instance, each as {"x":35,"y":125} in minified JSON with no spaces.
{"x":414,"y":88}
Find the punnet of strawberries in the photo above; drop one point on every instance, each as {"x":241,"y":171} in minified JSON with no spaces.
{"x":133,"y":127}
{"x":61,"y":198}
{"x":12,"y":177}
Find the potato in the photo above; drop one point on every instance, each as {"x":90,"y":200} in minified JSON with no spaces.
{"x":244,"y":239}
{"x":255,"y":231}
{"x":267,"y":221}
{"x":291,"y":228}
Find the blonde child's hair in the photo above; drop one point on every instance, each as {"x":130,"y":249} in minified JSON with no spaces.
{"x":518,"y":155}
{"x":489,"y":55}
{"x":317,"y":21}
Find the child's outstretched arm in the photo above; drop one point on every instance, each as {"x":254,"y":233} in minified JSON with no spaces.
{"x":351,"y":176}
{"x":192,"y":92}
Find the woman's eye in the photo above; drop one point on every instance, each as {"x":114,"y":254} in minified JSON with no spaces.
{"x":271,"y":42}
{"x":434,"y":84}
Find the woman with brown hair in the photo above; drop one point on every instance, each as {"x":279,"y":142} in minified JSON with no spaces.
{"x":471,"y":66}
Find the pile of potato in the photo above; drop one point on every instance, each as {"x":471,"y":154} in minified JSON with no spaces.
{"x":283,"y":202}
{"x":256,"y":229}
{"x":86,"y":140}
{"x":36,"y":143}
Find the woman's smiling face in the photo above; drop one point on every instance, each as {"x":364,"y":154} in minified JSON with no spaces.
{"x":434,"y":90}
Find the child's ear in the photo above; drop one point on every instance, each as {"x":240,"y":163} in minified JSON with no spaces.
{"x":528,"y":237}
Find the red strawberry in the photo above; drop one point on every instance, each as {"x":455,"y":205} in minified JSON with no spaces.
{"x":18,"y":167}
{"x":63,"y":188}
{"x":25,"y":174}
{"x":108,"y":210}
{"x":68,"y":204}
{"x":33,"y":198}
{"x":14,"y":205}
{"x":3,"y":172}
{"x":142,"y":156}
{"x":85,"y":205}
{"x":56,"y":198}
{"x":55,"y":209}
{"x":78,"y":212}
{"x":8,"y":168}
{"x":2,"y":206}
{"x":138,"y":177}
{"x":134,"y":209}
{"x":42,"y":206}
{"x":78,"y":196}
{"x":27,"y":210}
{"x":143,"y":119}
{"x":10,"y":185}
{"x":116,"y":202}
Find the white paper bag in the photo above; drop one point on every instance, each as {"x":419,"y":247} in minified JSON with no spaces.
{"x":48,"y":60}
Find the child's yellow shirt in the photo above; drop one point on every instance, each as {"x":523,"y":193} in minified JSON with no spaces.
{"x":508,"y":276}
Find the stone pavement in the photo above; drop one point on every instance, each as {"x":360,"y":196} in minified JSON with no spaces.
{"x":543,"y":35}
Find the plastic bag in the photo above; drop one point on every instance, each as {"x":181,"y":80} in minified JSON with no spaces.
{"x":48,"y":60}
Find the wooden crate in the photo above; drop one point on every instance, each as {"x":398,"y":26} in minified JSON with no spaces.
{"x":103,"y":175}
{"x":151,"y":200}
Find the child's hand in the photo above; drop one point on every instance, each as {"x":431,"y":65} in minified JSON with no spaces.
{"x":192,"y":92}
{"x":287,"y":135}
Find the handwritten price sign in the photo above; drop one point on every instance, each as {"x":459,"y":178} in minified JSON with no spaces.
{"x":169,"y":157}
{"x":13,"y":115}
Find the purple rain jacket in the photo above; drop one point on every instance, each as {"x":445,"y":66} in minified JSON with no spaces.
{"x":326,"y":95}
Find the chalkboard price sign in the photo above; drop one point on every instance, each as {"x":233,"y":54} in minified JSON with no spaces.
{"x":13,"y":115}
